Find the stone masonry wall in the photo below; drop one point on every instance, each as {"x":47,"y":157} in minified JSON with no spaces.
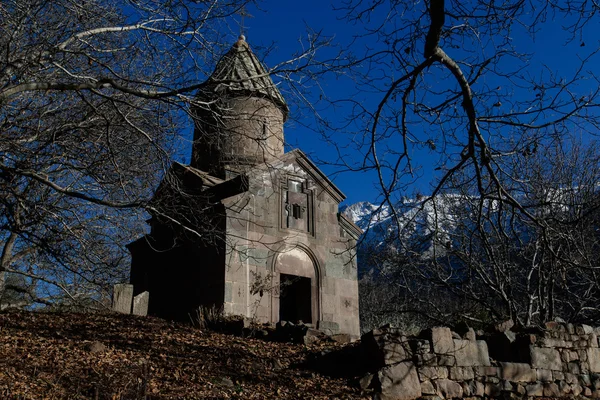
{"x":560,"y":361}
{"x":259,"y":246}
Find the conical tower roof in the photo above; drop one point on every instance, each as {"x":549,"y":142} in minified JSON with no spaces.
{"x":240,"y":73}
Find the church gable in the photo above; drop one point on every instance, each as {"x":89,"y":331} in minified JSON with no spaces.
{"x":297,"y":163}
{"x":306,"y":200}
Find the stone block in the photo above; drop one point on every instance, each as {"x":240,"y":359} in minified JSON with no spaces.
{"x":468,"y":388}
{"x":140,"y":304}
{"x":570,"y":378}
{"x":573,"y":368}
{"x":558,"y":375}
{"x":447,"y":361}
{"x":548,"y":342}
{"x":429,"y":359}
{"x":593,"y":358}
{"x":479,"y":389}
{"x":385,"y":347}
{"x":470,"y":334}
{"x":552,"y":390}
{"x":535,"y":389}
{"x":395,"y":352}
{"x":448,"y":389}
{"x":486,"y":371}
{"x":505,"y":326}
{"x":470,"y":353}
{"x":544,"y":375}
{"x":441,"y":340}
{"x":573,"y":356}
{"x":545,"y":358}
{"x":329,"y":304}
{"x":493,"y":389}
{"x":585,"y":380}
{"x":565,"y":356}
{"x":433,"y":373}
{"x":400,"y":381}
{"x":312,"y":336}
{"x":427,"y":388}
{"x":564,"y":387}
{"x":328,"y":327}
{"x":365,"y":381}
{"x":553,"y":326}
{"x":122,"y":298}
{"x":341,"y":338}
{"x":576,"y":389}
{"x":228,"y":292}
{"x":517,"y":372}
{"x":587,"y":330}
{"x":461,"y":373}
{"x":329,"y":285}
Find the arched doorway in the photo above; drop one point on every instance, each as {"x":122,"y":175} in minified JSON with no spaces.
{"x":296,"y":279}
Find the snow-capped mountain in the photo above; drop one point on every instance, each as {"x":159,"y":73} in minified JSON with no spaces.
{"x":365,"y":214}
{"x":416,"y":225}
{"x":408,"y":217}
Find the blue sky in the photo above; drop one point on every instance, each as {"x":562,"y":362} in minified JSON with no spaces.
{"x":283,"y":24}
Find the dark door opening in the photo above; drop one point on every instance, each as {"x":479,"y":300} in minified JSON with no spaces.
{"x":295,"y":298}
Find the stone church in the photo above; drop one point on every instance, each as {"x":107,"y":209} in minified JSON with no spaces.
{"x":247,"y":227}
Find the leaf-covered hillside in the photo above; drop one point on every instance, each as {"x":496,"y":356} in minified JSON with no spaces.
{"x":83,"y":356}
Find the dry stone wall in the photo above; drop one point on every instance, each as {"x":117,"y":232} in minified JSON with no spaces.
{"x":560,"y":361}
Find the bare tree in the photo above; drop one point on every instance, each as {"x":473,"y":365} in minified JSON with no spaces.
{"x":458,"y":90}
{"x":460,"y":257}
{"x":533,"y":270}
{"x":93,"y":98}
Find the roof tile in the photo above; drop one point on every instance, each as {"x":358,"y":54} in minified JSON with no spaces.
{"x":240,"y":73}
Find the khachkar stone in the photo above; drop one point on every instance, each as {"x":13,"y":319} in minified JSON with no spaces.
{"x":122,"y":297}
{"x":140,"y":304}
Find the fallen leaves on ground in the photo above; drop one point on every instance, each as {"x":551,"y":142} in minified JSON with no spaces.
{"x":108,"y":356}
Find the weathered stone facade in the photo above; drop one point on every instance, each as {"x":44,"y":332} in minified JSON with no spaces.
{"x":279,"y":248}
{"x":264,"y":247}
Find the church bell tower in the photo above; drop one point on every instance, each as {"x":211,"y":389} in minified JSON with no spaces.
{"x":239,"y":116}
